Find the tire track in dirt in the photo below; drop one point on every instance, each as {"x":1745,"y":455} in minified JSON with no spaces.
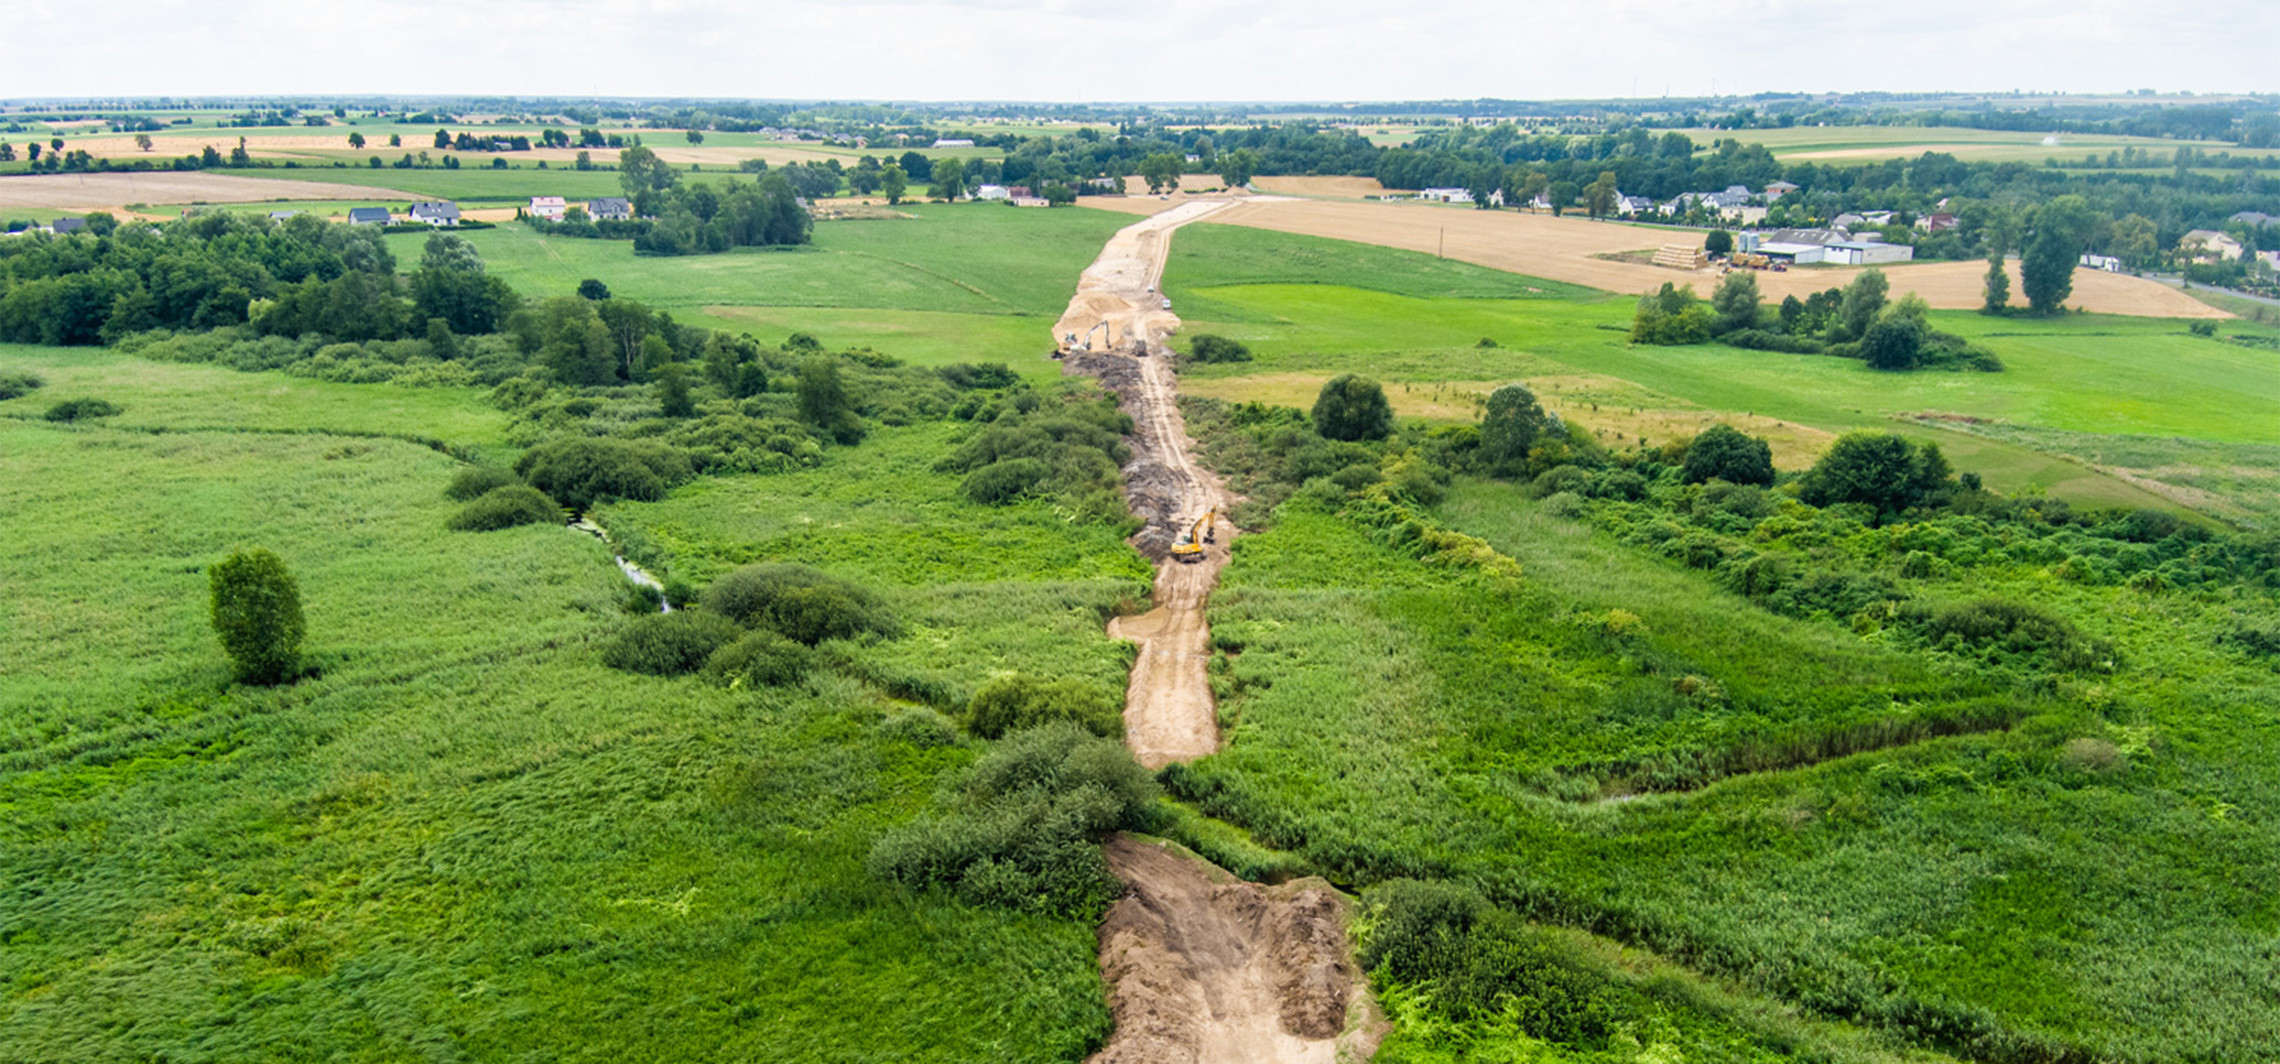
{"x":1201,"y":968}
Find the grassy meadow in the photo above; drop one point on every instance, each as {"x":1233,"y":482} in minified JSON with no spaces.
{"x":463,"y":837}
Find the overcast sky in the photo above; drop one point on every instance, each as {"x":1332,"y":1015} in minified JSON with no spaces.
{"x":1166,"y":51}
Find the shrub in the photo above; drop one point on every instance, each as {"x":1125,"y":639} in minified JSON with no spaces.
{"x":1209,"y":348}
{"x":1761,"y":340}
{"x":1005,"y":481}
{"x":1880,"y":470}
{"x":1622,"y":484}
{"x":1557,"y":479}
{"x":477,"y":480}
{"x":1723,"y":452}
{"x":1352,"y":408}
{"x":966,"y":376}
{"x":760,"y":659}
{"x":1012,"y":703}
{"x":1510,"y":426}
{"x":920,"y":727}
{"x":1485,"y":962}
{"x":80,"y":409}
{"x":1021,"y":828}
{"x":17,"y":385}
{"x":2000,"y":630}
{"x":507,"y":507}
{"x":798,"y":602}
{"x":669,"y":644}
{"x":257,"y":614}
{"x":583,"y":471}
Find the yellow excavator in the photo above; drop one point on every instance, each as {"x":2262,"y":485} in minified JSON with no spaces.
{"x":1190,"y":547}
{"x":1073,"y":344}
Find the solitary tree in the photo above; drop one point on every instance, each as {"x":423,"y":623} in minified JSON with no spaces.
{"x":1162,"y":171}
{"x":594,"y":290}
{"x":1998,"y":293}
{"x":1719,"y":242}
{"x":257,"y":614}
{"x":1877,"y":469}
{"x":356,"y":140}
{"x":892,"y":183}
{"x":1509,"y":427}
{"x":442,"y":139}
{"x":1237,"y":167}
{"x":1895,"y":342}
{"x":696,"y":136}
{"x":2046,"y":266}
{"x":1352,"y":408}
{"x":142,"y":141}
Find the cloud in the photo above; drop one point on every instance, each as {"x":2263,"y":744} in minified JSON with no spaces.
{"x":1169,"y":51}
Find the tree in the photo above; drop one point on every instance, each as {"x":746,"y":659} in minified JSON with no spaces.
{"x":1352,"y":408}
{"x":594,"y":290}
{"x":2135,"y":242}
{"x":442,"y":139}
{"x":1863,"y":301}
{"x":949,"y":179}
{"x":1719,"y":242}
{"x":673,"y":391}
{"x":444,"y":251}
{"x":142,"y":141}
{"x":1736,"y":301}
{"x":441,"y":343}
{"x":1997,"y":296}
{"x":1599,"y":196}
{"x":395,"y":140}
{"x":823,"y":400}
{"x":1237,"y":167}
{"x":1877,"y":469}
{"x":2046,"y":265}
{"x":640,"y":170}
{"x":7,"y":152}
{"x":257,"y":614}
{"x":1162,"y":170}
{"x":1894,"y":343}
{"x":1723,"y":452}
{"x":892,"y":183}
{"x":356,"y":140}
{"x":696,"y":136}
{"x":1510,"y":427}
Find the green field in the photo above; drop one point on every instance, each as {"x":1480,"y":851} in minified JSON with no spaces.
{"x":1847,"y":145}
{"x":1375,"y":314}
{"x":465,"y":836}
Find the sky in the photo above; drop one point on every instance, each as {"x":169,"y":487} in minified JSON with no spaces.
{"x":1169,"y":51}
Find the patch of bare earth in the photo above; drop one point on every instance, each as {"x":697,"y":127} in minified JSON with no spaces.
{"x":1200,"y":968}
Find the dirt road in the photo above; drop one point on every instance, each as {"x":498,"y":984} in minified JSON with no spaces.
{"x":1201,"y":968}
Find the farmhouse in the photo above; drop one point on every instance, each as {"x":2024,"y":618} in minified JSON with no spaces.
{"x":369,"y":216}
{"x":279,"y":216}
{"x":1030,"y":201}
{"x":2256,"y":218}
{"x":1937,"y":223}
{"x":436,"y":214}
{"x":1631,"y":206}
{"x":548,"y":207}
{"x":62,"y":226}
{"x":2209,"y":244}
{"x":1777,"y":190}
{"x":609,"y":209}
{"x":1446,"y":195}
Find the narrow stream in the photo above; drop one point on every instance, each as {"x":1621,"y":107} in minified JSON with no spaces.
{"x":632,"y":572}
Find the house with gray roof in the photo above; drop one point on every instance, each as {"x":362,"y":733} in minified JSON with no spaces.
{"x":369,"y":216}
{"x":438,"y":214}
{"x":609,"y":209}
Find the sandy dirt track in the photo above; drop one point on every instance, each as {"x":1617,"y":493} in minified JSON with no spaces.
{"x":1205,"y":969}
{"x":90,"y":192}
{"x":1565,"y":249}
{"x":1201,"y":969}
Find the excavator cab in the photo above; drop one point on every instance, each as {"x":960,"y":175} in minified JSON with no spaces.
{"x":1190,"y":547}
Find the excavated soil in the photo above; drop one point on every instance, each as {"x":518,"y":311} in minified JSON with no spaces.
{"x":1201,"y":968}
{"x":1205,"y":969}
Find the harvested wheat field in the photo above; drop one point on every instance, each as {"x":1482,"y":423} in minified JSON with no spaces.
{"x":1332,"y":187}
{"x":90,"y":192}
{"x":1574,"y":250}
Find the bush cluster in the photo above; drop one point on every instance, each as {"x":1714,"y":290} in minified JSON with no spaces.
{"x":81,"y":410}
{"x":798,"y":602}
{"x":506,"y":507}
{"x":1483,"y":962}
{"x":1205,"y":347}
{"x":583,"y":471}
{"x":18,"y":385}
{"x":1021,"y":829}
{"x":669,"y":644}
{"x":1067,"y":448}
{"x":1015,"y":702}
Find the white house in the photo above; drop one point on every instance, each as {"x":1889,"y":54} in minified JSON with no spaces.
{"x":436,"y":214}
{"x":548,"y":207}
{"x":1445,"y":195}
{"x":1631,"y":206}
{"x":2209,"y":244}
{"x":609,"y":209}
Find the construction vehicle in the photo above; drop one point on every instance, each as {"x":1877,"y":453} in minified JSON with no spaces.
{"x":1190,"y":547}
{"x":1073,"y":344}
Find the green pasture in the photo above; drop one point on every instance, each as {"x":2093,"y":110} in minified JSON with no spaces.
{"x":1385,"y":718}
{"x":462,"y":836}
